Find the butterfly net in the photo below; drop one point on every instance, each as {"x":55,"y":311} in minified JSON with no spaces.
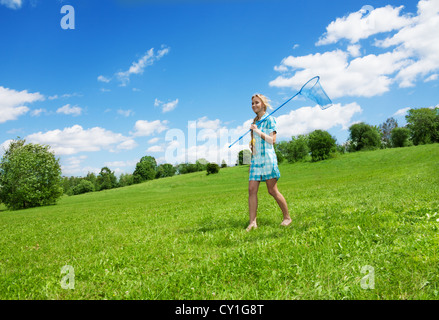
{"x":314,"y":91}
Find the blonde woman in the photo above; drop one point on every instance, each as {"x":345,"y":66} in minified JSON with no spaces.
{"x":263,"y":165}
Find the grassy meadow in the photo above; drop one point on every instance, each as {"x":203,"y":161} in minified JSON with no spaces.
{"x":184,"y":237}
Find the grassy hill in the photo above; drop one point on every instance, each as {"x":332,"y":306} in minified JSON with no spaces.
{"x":184,"y":237}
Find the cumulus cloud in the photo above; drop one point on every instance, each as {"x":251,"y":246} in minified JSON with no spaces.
{"x":364,"y":23}
{"x":76,"y":139}
{"x":401,"y":112}
{"x":409,"y":54}
{"x":12,"y":103}
{"x":69,"y":110}
{"x":307,"y":119}
{"x":147,"y":128}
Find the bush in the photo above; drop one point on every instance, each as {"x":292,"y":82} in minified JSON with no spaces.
{"x":364,"y":137}
{"x":83,"y":187}
{"x":30,"y":176}
{"x":212,"y":168}
{"x":400,"y":137}
{"x":298,"y":149}
{"x":321,"y":145}
{"x":424,"y":125}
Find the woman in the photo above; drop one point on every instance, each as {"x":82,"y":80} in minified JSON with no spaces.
{"x":263,"y":165}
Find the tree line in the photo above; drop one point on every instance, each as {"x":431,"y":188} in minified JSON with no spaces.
{"x":146,"y":169}
{"x":422,"y":128}
{"x":30,"y":174}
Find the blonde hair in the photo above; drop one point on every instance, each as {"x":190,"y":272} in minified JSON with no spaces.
{"x":265,"y":104}
{"x":264,"y":99}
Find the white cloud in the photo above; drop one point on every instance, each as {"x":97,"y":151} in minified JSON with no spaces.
{"x":147,"y":128}
{"x":153,"y":140}
{"x":138,"y":66}
{"x":37,"y":112}
{"x":363,"y":76}
{"x":128,"y":163}
{"x":361,"y":24}
{"x":12,"y":103}
{"x":411,"y":53}
{"x":166,"y":107}
{"x":420,"y":40}
{"x":205,"y":123}
{"x":433,"y":77}
{"x":104,"y":79}
{"x":76,"y":139}
{"x":125,"y":113}
{"x":68,"y":110}
{"x":155,"y":149}
{"x":12,"y":4}
{"x":401,"y":112}
{"x":307,"y":119}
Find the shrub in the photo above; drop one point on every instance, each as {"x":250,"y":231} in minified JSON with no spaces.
{"x":83,"y":187}
{"x":364,"y":137}
{"x":321,"y":145}
{"x":212,"y":168}
{"x":30,"y":176}
{"x":400,"y":137}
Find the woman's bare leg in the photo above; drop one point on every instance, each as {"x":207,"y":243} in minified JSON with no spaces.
{"x":274,"y":192}
{"x":253,"y":187}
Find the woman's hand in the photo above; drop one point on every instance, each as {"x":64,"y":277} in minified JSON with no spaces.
{"x":255,"y":129}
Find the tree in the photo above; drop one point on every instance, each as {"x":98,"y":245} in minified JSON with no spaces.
{"x":224,"y":164}
{"x":281,"y":150}
{"x":424,"y":125}
{"x":126,"y":179}
{"x":212,"y":168}
{"x":30,"y":176}
{"x":364,"y":137}
{"x":321,"y":145}
{"x":146,"y":169}
{"x":83,"y":187}
{"x":244,"y":157}
{"x":106,"y":179}
{"x":165,"y":170}
{"x":386,"y":131}
{"x":400,"y":137}
{"x":298,"y":149}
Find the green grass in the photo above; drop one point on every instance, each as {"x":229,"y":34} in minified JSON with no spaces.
{"x":184,"y":237}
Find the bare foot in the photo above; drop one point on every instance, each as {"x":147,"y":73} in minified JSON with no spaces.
{"x":286,"y":222}
{"x":251,"y":226}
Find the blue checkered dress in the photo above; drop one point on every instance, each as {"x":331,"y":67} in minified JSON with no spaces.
{"x":264,"y":162}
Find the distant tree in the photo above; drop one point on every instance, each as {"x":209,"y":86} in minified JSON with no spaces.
{"x":386,"y":131}
{"x":126,"y":179}
{"x":30,"y":176}
{"x":92,"y":178}
{"x":244,"y":157}
{"x":400,"y":137}
{"x":281,"y":150}
{"x":298,"y":148}
{"x":321,"y":145}
{"x":165,"y":170}
{"x":224,"y":164}
{"x":83,"y":187}
{"x":212,"y":168}
{"x":424,"y":125}
{"x":364,"y":137}
{"x":201,"y":164}
{"x":146,"y":169}
{"x":106,"y":179}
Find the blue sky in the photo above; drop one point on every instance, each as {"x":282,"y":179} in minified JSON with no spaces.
{"x":173,"y":78}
